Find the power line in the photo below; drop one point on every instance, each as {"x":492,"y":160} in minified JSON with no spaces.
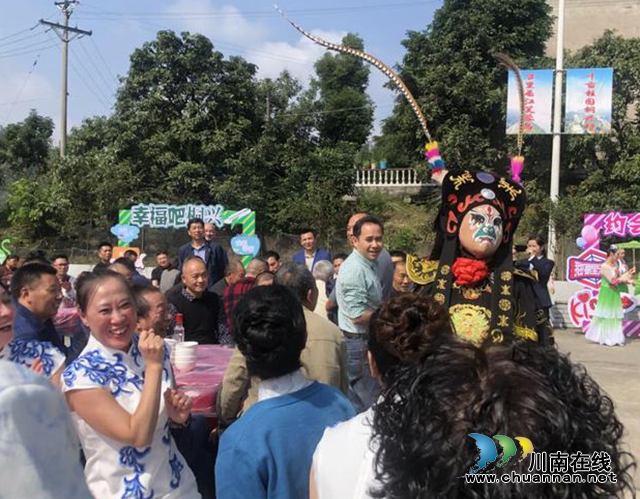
{"x":110,"y":92}
{"x":33,"y":51}
{"x":89,"y":87}
{"x":101,"y":14}
{"x":103,"y":60}
{"x":28,"y":37}
{"x":19,"y":32}
{"x":33,"y":67}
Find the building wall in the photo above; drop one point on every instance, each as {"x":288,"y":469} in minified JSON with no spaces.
{"x":586,"y":20}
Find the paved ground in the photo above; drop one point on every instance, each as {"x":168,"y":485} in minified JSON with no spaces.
{"x":617,"y":370}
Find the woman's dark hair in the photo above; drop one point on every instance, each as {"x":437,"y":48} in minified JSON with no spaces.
{"x":402,"y":330}
{"x":540,"y":241}
{"x":87,"y":283}
{"x":270,"y":330}
{"x":423,"y":424}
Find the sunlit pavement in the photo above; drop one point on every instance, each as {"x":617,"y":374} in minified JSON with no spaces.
{"x":617,"y":370}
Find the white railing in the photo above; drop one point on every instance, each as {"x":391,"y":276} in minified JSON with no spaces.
{"x":391,"y":177}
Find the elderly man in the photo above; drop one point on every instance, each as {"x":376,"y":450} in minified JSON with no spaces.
{"x":401,"y":281}
{"x":201,"y":310}
{"x":359,"y":293}
{"x":324,"y":358}
{"x":210,"y":232}
{"x":37,"y":293}
{"x":152,"y":309}
{"x":233,"y":273}
{"x":211,"y":253}
{"x":234,"y":292}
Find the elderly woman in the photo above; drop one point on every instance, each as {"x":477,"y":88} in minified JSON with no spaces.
{"x":323,"y":274}
{"x":40,"y":356}
{"x":120,"y":393}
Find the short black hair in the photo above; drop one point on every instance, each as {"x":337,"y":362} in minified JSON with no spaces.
{"x":130,"y":252}
{"x":125,"y":262}
{"x":340,"y":256}
{"x":195,"y":220}
{"x":273,"y":254}
{"x":105,"y":243}
{"x":398,"y":253}
{"x":12,"y":256}
{"x":305,"y":230}
{"x":270,"y":331}
{"x":28,"y":275}
{"x":162,"y":252}
{"x":357,"y":227}
{"x":59,"y":255}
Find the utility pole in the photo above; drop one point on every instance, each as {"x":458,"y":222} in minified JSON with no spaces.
{"x":557,"y":127}
{"x":63,"y":30}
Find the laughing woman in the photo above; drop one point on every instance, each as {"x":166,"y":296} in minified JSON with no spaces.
{"x":119,"y":392}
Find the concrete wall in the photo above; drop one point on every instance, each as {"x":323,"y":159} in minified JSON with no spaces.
{"x":586,"y":20}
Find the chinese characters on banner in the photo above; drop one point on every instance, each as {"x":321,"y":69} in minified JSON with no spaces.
{"x":172,"y":216}
{"x":585,"y":268}
{"x":588,"y":101}
{"x":538,"y":98}
{"x":615,"y":223}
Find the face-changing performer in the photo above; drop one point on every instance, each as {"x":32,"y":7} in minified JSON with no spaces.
{"x":471,"y":270}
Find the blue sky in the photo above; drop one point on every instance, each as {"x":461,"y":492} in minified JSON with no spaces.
{"x":250,"y":28}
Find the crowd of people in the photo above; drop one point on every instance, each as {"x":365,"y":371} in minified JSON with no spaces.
{"x":347,"y":379}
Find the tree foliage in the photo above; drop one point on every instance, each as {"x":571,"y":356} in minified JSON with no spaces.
{"x":190,"y":125}
{"x":460,"y":87}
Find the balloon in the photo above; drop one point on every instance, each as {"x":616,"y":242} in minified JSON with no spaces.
{"x":581,"y":242}
{"x":590,"y":234}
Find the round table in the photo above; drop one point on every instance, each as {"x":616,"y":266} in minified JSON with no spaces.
{"x":203,"y":382}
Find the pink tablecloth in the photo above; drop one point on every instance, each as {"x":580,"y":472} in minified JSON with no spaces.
{"x":203,"y":382}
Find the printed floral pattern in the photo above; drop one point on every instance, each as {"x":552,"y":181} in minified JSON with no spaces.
{"x":26,"y":352}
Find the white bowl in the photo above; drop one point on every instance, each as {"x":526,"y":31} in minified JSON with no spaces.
{"x":183,"y":357}
{"x":185,"y":366}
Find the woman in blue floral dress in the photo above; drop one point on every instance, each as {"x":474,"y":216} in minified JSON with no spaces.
{"x":120,"y":393}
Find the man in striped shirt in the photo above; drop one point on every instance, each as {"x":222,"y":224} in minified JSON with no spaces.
{"x":359,"y":293}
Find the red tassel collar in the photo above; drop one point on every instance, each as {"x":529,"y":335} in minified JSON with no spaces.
{"x":469,"y":272}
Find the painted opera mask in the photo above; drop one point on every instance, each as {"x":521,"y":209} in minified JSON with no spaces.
{"x":481,"y":231}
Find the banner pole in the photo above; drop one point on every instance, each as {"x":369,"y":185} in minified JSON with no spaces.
{"x":557,"y":128}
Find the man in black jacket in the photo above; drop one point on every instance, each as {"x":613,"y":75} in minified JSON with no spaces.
{"x":202,"y":310}
{"x":211,"y":253}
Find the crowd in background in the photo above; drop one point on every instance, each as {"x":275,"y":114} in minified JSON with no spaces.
{"x":345,"y":380}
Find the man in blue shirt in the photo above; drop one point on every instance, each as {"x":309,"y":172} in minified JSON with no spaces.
{"x":211,"y":253}
{"x":37,"y":294}
{"x":268,"y":452}
{"x":358,"y":294}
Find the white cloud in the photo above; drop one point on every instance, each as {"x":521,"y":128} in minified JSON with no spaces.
{"x":224,"y":24}
{"x":38,"y":93}
{"x":274,"y":57}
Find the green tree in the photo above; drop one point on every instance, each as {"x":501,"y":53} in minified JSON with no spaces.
{"x":458,"y":84}
{"x":345,"y":109}
{"x":25,"y":146}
